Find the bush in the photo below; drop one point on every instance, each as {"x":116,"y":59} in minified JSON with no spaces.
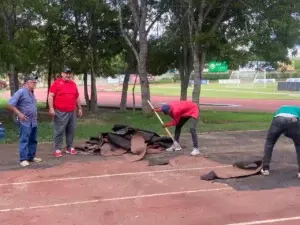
{"x":163,"y":81}
{"x":282,"y":76}
{"x":215,"y":76}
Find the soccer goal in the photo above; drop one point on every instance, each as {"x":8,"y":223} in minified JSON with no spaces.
{"x":249,"y":79}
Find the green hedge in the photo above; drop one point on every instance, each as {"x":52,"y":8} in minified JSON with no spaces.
{"x":285,"y":75}
{"x":215,"y":76}
{"x":218,"y":76}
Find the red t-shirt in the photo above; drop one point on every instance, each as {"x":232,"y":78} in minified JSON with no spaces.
{"x":65,"y":95}
{"x":180,"y":109}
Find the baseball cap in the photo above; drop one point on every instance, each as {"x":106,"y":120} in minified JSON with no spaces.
{"x":30,"y":77}
{"x":67,"y":70}
{"x":165,"y":108}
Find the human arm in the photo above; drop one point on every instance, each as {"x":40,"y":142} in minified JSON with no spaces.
{"x":12,"y":105}
{"x":50,"y":103}
{"x":79,"y":106}
{"x":169,"y":124}
{"x":51,"y":95}
{"x":157,"y":109}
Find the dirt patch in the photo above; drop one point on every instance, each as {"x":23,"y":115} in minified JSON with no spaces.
{"x":222,"y":148}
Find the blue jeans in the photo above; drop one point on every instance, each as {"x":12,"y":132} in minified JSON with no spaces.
{"x":28,"y":142}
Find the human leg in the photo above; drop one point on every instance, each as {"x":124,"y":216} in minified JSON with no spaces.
{"x":193,"y":126}
{"x":23,"y":145}
{"x":275,"y":130}
{"x":70,"y":133}
{"x":32,"y":145}
{"x":59,"y":126}
{"x":178,"y":128}
{"x":294,"y":133}
{"x":177,"y":134}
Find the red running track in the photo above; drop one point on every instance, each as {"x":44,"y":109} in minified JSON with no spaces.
{"x":112,"y":99}
{"x":113,"y":192}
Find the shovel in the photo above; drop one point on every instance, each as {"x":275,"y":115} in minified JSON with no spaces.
{"x":175,"y":143}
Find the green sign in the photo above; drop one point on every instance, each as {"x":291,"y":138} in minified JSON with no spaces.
{"x":215,"y":67}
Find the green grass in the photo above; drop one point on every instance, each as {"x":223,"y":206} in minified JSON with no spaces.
{"x":215,"y":90}
{"x":93,"y":125}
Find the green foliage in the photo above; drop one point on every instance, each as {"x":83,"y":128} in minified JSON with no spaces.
{"x":215,"y":76}
{"x":281,"y":76}
{"x":297,"y":64}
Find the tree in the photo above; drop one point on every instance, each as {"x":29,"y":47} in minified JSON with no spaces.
{"x":143,"y":11}
{"x":16,"y":27}
{"x":96,"y":41}
{"x":229,"y":26}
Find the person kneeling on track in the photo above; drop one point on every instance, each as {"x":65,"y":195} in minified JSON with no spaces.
{"x":285,"y":121}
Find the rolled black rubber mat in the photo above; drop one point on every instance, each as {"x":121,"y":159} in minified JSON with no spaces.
{"x":239,"y":169}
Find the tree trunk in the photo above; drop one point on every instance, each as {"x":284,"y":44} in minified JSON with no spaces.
{"x":49,"y":80}
{"x":199,"y":60}
{"x":13,"y":80}
{"x":185,"y":73}
{"x":197,"y":76}
{"x":145,"y":90}
{"x":86,"y":91}
{"x":133,"y":93}
{"x":123,"y":103}
{"x":183,"y":89}
{"x":94,"y":103}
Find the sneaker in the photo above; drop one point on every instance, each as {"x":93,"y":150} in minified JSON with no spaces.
{"x":58,"y":153}
{"x":173,"y":148}
{"x":71,"y":151}
{"x":195,"y":152}
{"x":37,"y":160}
{"x":265,"y":172}
{"x":24,"y":163}
{"x":298,"y":175}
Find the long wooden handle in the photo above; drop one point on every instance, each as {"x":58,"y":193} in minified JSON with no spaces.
{"x":162,"y":123}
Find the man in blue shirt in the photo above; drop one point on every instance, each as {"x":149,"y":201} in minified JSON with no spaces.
{"x":23,"y":104}
{"x":285,"y":121}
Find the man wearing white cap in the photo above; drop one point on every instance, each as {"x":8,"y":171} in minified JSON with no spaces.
{"x":23,"y":104}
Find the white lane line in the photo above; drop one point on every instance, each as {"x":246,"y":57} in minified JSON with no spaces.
{"x":112,"y":175}
{"x":267,"y":221}
{"x":114,"y":199}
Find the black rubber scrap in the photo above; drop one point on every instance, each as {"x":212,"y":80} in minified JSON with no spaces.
{"x":159,"y":161}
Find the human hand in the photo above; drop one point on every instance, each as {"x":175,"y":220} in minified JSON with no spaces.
{"x":80,"y":113}
{"x":22,"y":117}
{"x":51,"y":112}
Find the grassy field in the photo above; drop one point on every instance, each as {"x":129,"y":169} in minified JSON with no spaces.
{"x":215,"y":90}
{"x":93,"y":125}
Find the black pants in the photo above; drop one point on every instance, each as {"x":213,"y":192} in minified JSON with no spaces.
{"x":281,"y":125}
{"x":192,"y":129}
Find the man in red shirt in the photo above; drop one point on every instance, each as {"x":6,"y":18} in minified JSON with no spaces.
{"x":181,"y":112}
{"x":63,"y":99}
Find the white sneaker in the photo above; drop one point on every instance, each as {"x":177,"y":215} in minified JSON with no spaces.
{"x":298,"y":175}
{"x":265,"y":172}
{"x":24,"y":163}
{"x":174,"y":148}
{"x":37,"y":160}
{"x":195,"y":152}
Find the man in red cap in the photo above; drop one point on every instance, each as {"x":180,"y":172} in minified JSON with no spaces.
{"x":181,"y":112}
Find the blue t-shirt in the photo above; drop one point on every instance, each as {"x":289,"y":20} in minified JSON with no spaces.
{"x":25,"y":101}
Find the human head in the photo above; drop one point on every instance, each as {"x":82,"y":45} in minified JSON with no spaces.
{"x":165,"y":109}
{"x":30,"y":81}
{"x":67,"y":74}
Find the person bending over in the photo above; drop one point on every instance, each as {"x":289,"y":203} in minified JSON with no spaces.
{"x":285,"y":121}
{"x":181,"y":112}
